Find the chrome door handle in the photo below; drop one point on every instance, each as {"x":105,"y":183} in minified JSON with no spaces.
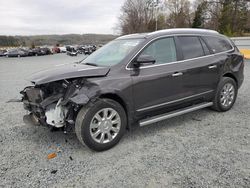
{"x":212,"y":66}
{"x":177,"y":74}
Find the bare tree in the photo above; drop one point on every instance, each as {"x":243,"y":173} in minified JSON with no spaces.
{"x":179,"y":13}
{"x":230,"y":17}
{"x":210,"y":13}
{"x":136,"y":16}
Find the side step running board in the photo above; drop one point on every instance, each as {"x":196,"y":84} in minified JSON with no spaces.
{"x":174,"y":113}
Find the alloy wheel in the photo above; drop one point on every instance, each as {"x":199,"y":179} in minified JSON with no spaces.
{"x":105,"y":125}
{"x":227,"y":95}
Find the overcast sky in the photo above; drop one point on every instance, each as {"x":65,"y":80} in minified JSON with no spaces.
{"x":32,"y":17}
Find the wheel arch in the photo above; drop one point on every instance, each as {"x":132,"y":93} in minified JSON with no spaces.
{"x":116,"y":98}
{"x":231,"y":75}
{"x":121,"y":101}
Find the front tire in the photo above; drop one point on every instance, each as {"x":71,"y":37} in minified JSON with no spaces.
{"x":226,"y":95}
{"x":101,"y":125}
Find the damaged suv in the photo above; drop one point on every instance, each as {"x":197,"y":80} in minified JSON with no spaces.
{"x":136,"y":79}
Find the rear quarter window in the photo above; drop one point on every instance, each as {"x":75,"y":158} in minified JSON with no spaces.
{"x":218,"y":44}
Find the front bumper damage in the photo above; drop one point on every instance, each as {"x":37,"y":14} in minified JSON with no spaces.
{"x":51,"y":107}
{"x":58,"y":93}
{"x":54,"y":115}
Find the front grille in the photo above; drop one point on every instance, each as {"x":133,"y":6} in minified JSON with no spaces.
{"x":34,"y":95}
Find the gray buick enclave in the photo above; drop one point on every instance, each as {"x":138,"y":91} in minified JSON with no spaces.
{"x":136,"y":79}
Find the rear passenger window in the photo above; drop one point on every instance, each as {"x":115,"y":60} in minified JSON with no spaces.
{"x":218,"y":44}
{"x":191,"y":47}
{"x":163,"y":50}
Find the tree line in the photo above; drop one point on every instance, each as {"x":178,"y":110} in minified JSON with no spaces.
{"x":230,"y":17}
{"x":68,"y":39}
{"x":9,"y":41}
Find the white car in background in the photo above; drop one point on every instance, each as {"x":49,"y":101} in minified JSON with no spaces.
{"x":63,"y":49}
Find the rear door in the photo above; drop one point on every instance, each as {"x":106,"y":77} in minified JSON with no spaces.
{"x":201,"y":69}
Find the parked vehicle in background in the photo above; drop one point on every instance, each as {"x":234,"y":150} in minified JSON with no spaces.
{"x":94,"y":48}
{"x":88,"y":50}
{"x":68,"y":48}
{"x":137,"y":79}
{"x":56,"y":50}
{"x":2,"y":53}
{"x":80,"y":49}
{"x":63,"y":49}
{"x":38,"y":52}
{"x":17,"y":53}
{"x":71,"y":51}
{"x":22,"y":52}
{"x":30,"y":52}
{"x":46,"y":51}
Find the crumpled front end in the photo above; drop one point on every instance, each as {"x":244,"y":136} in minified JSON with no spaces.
{"x":50,"y":104}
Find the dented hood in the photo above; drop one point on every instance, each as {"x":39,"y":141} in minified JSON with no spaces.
{"x":67,"y":71}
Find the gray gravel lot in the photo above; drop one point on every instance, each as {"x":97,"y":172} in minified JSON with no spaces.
{"x":200,"y":149}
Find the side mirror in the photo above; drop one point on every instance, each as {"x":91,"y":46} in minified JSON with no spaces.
{"x":144,"y":59}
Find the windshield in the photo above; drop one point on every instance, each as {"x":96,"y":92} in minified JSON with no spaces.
{"x":112,"y":53}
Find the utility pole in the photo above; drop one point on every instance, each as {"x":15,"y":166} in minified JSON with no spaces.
{"x":156,"y":7}
{"x":154,"y":4}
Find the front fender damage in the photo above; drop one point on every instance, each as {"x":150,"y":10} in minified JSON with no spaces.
{"x":83,"y":95}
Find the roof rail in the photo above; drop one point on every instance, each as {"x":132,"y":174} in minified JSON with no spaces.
{"x":184,"y":29}
{"x":132,"y":35}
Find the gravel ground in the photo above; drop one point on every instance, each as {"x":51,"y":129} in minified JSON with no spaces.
{"x":200,"y":149}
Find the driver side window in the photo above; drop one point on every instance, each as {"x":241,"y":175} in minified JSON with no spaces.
{"x":163,"y":50}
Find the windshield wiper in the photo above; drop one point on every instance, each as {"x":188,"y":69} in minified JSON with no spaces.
{"x":92,"y":64}
{"x":78,"y":62}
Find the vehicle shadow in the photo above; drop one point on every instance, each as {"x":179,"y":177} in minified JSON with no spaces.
{"x":43,"y":136}
{"x":169,"y":124}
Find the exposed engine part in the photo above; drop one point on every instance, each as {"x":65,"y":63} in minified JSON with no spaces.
{"x":34,"y":94}
{"x":56,"y":114}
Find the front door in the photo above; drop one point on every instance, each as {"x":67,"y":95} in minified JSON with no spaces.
{"x":155,"y":85}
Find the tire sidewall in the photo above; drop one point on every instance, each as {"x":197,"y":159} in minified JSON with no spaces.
{"x":223,"y":82}
{"x":86,"y":120}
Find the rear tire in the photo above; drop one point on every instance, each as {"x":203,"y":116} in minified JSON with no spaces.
{"x":101,"y":125}
{"x":226,"y":95}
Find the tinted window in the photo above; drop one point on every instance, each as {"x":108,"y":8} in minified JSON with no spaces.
{"x":204,"y":46}
{"x":163,"y":50}
{"x":218,"y":44}
{"x":191,"y":47}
